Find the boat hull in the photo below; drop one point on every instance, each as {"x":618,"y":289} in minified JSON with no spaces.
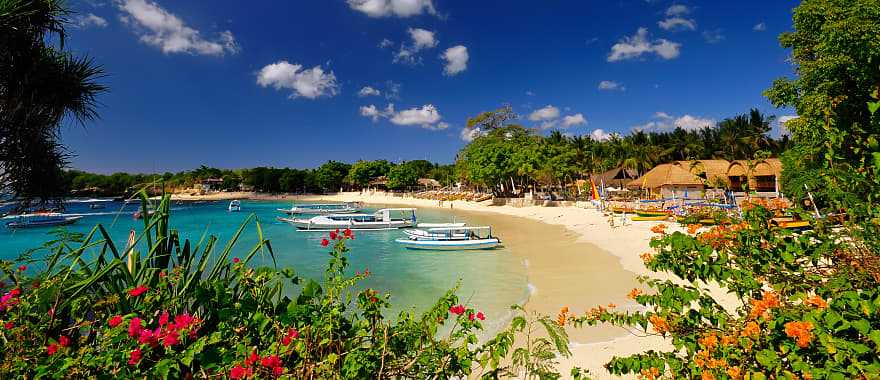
{"x":449,"y":245}
{"x":305,"y":225}
{"x":649,"y":218}
{"x":44,"y":223}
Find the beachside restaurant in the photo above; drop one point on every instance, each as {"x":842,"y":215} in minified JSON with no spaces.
{"x":760,"y":176}
{"x":669,"y":181}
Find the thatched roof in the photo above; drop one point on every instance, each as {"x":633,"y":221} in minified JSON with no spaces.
{"x":379,"y":181}
{"x":617,"y":177}
{"x":666,"y":175}
{"x":768,"y":167}
{"x":713,"y":171}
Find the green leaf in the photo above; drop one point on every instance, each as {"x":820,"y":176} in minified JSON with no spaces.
{"x":873,"y":107}
{"x":767,"y":358}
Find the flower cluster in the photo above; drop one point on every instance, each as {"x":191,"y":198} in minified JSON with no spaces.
{"x":693,"y":228}
{"x":659,"y":229}
{"x":802,"y":331}
{"x":816,"y":301}
{"x":254,"y":363}
{"x":9,"y":299}
{"x":168,"y":332}
{"x":337,"y":235}
{"x":634,"y":293}
{"x":762,"y":307}
{"x":660,"y":324}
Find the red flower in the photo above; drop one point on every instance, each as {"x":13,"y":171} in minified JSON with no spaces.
{"x":347,"y":233}
{"x":145,"y":336}
{"x":8,"y":325}
{"x":471,"y":316}
{"x":115,"y":321}
{"x":271,"y":361}
{"x":171,"y":338}
{"x":135,"y":356}
{"x":325,"y":242}
{"x":134,"y":327}
{"x":136,"y":292}
{"x":51,"y":312}
{"x":22,"y":268}
{"x":291,"y":335}
{"x":481,"y":316}
{"x":162,"y":274}
{"x":237,"y":372}
{"x":457,"y":309}
{"x":333,"y":235}
{"x":163,"y":319}
{"x":278,"y":371}
{"x":64,"y":341}
{"x":15,"y":292}
{"x":252,"y":359}
{"x":236,"y":260}
{"x":366,"y":271}
{"x":51,"y":349}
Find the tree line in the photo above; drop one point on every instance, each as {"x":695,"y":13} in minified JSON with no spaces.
{"x":329,"y":177}
{"x":506,"y":154}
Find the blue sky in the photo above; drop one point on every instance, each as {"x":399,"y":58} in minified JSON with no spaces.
{"x":237,"y":84}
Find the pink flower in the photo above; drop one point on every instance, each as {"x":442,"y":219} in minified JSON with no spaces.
{"x":236,"y":260}
{"x":145,"y":336}
{"x":134,"y":327}
{"x":184,"y":321}
{"x":8,"y":325}
{"x":136,"y":292}
{"x":325,"y":242}
{"x":163,"y":319}
{"x":22,"y":268}
{"x":135,"y":356}
{"x":15,"y":292}
{"x":64,"y":341}
{"x":114,"y":321}
{"x":237,"y":372}
{"x":481,"y":316}
{"x":51,"y":349}
{"x":171,"y":338}
{"x":278,"y":371}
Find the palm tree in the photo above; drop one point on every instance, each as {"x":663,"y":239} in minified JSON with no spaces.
{"x":40,"y":86}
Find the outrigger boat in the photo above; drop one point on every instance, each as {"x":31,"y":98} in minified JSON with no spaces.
{"x":234,"y":206}
{"x":450,"y":239}
{"x":323,"y":208}
{"x":42,"y":220}
{"x":654,"y":218}
{"x":384,"y":219}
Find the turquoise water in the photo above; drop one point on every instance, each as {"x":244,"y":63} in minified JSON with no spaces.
{"x":490,"y":280}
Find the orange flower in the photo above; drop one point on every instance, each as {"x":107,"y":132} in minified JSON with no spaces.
{"x":659,"y":229}
{"x":728,"y":340}
{"x":611,"y":305}
{"x":693,"y":228}
{"x":646,"y":257}
{"x":563,"y":316}
{"x":706,"y":375}
{"x":701,"y":358}
{"x":710,"y":341}
{"x":762,"y":307}
{"x":801,"y":331}
{"x":660,"y":324}
{"x":650,"y":374}
{"x":734,"y":373}
{"x":751,"y":330}
{"x":634,"y":293}
{"x":817,"y":301}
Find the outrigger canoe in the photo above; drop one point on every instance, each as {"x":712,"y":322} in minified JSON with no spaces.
{"x":657,"y":218}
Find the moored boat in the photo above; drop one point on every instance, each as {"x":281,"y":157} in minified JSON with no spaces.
{"x":450,"y":239}
{"x":322,"y":208}
{"x":384,"y":219}
{"x":234,"y":206}
{"x":42,"y":220}
{"x":655,"y":218}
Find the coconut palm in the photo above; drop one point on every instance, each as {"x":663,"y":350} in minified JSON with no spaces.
{"x":41,"y":85}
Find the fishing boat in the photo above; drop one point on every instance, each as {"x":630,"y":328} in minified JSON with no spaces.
{"x":450,"y":239}
{"x":234,"y":206}
{"x":440,"y":225}
{"x":51,"y":219}
{"x":384,"y":219}
{"x":322,"y":208}
{"x":654,"y":218}
{"x":623,"y":210}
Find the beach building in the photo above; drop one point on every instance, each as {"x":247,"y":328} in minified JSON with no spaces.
{"x":761,"y":176}
{"x":618,"y":177}
{"x":209,"y":184}
{"x":429,"y":183}
{"x":668,"y":181}
{"x":712,"y":172}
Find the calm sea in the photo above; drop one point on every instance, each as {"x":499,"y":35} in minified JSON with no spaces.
{"x":490,"y":280}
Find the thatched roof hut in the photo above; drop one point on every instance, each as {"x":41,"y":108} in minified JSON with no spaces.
{"x":429,"y":182}
{"x":713,"y":172}
{"x":760,"y":175}
{"x":668,"y":180}
{"x":618,"y":177}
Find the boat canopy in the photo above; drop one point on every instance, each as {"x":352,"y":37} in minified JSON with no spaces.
{"x":440,"y":229}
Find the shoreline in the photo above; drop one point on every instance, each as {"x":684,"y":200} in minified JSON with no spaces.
{"x":561,"y":272}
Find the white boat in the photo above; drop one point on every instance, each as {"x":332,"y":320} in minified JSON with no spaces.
{"x":384,"y":219}
{"x":440,"y":225}
{"x":234,"y":206}
{"x":51,"y":219}
{"x":450,"y":239}
{"x":322,"y":208}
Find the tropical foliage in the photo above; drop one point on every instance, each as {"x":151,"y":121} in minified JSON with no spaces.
{"x":41,"y":85}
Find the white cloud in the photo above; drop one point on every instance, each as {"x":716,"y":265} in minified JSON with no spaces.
{"x":549,"y":124}
{"x":787,"y":118}
{"x":713,"y":36}
{"x":665,"y":122}
{"x":610,"y":85}
{"x":640,"y":44}
{"x":677,"y":10}
{"x":392,"y":90}
{"x":369,"y":91}
{"x":162,"y":29}
{"x":678,"y":23}
{"x":371,"y":112}
{"x":310,"y":83}
{"x":760,"y":27}
{"x":572,"y":120}
{"x":89,"y":20}
{"x":469,"y":134}
{"x":425,"y":116}
{"x":421,"y":39}
{"x":399,"y":8}
{"x":456,"y":59}
{"x":547,"y":113}
{"x":600,"y":135}
{"x":385,"y":43}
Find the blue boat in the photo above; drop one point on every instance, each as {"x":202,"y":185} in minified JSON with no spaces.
{"x":41,"y":220}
